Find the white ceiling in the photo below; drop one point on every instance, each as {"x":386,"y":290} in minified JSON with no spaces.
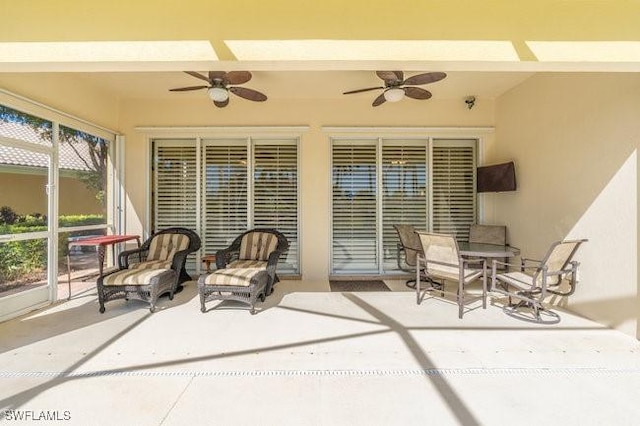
{"x":303,"y":84}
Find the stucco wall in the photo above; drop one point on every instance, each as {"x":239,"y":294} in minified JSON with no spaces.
{"x":25,"y":194}
{"x":314,"y":151}
{"x":574,"y":138}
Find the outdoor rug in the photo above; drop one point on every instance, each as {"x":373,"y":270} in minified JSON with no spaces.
{"x":372,"y":285}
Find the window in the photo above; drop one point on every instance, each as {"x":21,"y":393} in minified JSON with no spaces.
{"x":225,"y":213}
{"x":454,"y":187}
{"x":275,"y":194}
{"x":354,"y":182}
{"x":234,"y":185}
{"x":404,"y":190}
{"x":377,"y":183}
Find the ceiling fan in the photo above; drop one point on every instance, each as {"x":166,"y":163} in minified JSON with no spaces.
{"x":220,"y":83}
{"x":396,"y":87}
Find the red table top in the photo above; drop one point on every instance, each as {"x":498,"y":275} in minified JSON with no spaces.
{"x":103,"y":240}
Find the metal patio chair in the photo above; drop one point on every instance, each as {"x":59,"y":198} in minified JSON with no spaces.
{"x":555,"y":274}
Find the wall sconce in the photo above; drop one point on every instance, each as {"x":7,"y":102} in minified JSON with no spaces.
{"x":470,"y":101}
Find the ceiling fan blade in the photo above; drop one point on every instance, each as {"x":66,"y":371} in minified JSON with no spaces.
{"x":221,"y":104}
{"x":379,"y":100}
{"x":238,"y":77}
{"x":429,"y":77}
{"x":391,"y":77}
{"x":184,"y":89}
{"x":362,"y":90}
{"x":250,"y":94}
{"x":197,"y":75}
{"x":416,"y":93}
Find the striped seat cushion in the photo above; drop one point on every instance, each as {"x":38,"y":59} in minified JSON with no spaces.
{"x":165,"y":246}
{"x":233,"y":276}
{"x":135,"y":276}
{"x":247,"y":264}
{"x":257,"y":245}
{"x":152,"y":264}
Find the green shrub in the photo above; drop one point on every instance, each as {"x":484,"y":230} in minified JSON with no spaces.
{"x":20,"y":258}
{"x":7,"y":215}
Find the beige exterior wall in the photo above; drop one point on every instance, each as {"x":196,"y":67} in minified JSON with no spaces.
{"x":25,"y":194}
{"x":314,"y":151}
{"x":574,"y":138}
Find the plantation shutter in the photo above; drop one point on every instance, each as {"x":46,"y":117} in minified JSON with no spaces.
{"x":404,"y":193}
{"x":225,"y":193}
{"x":354,"y":194}
{"x":454,"y":195}
{"x":275,"y":195}
{"x":175,"y":187}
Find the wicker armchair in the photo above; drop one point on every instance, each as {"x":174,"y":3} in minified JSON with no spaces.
{"x":246,"y":269}
{"x":156,"y":268}
{"x":165,"y":249}
{"x":239,"y":255}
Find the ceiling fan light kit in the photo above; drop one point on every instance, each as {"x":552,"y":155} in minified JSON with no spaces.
{"x":394,"y":94}
{"x":218,"y":94}
{"x":396,"y":87}
{"x":220,"y":84}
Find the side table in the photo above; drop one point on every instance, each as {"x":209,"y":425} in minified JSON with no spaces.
{"x":207,"y":260}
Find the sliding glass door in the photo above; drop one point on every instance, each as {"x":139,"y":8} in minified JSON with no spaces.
{"x":25,"y":239}
{"x":56,"y":184}
{"x":380,"y":182}
{"x":221,"y":187}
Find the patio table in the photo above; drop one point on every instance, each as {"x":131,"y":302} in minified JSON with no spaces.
{"x":487,"y":250}
{"x":100,"y":242}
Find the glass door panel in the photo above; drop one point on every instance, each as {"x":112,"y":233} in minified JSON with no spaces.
{"x":24,"y":175}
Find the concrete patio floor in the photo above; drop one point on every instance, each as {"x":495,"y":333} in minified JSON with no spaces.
{"x":312,"y":357}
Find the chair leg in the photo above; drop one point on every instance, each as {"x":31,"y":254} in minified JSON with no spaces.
{"x":484,"y":292}
{"x":202,"y":297}
{"x":101,"y":298}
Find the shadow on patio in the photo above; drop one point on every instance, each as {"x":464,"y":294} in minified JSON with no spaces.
{"x":310,"y":357}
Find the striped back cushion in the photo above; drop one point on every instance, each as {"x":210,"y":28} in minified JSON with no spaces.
{"x":165,"y":246}
{"x":257,"y":246}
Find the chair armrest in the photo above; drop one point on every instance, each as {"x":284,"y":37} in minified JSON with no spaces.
{"x":223,"y":257}
{"x":438,"y":263}
{"x":498,"y":262}
{"x":272,"y":262}
{"x":179,"y":260}
{"x":123,"y":259}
